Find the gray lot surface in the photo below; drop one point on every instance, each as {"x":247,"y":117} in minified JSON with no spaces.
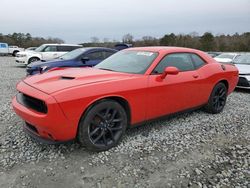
{"x":194,"y":149}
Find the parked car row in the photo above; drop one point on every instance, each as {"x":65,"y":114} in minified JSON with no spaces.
{"x":81,"y":57}
{"x":45,"y":52}
{"x":96,"y":105}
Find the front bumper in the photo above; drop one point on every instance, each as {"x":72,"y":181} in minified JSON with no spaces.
{"x":33,"y":134}
{"x":52,"y":126}
{"x":30,"y":71}
{"x":22,"y":60}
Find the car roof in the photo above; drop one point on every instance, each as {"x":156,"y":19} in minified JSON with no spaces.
{"x":62,"y":44}
{"x":95,"y":48}
{"x":164,"y":49}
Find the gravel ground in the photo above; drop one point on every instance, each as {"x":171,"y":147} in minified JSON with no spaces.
{"x":194,"y":149}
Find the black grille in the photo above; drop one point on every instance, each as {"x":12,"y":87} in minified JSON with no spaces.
{"x":31,"y":127}
{"x":243,"y":82}
{"x":32,"y":103}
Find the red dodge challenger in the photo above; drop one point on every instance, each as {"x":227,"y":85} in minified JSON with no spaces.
{"x":96,"y":105}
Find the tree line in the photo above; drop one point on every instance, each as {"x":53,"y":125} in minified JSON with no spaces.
{"x":206,"y":42}
{"x":26,"y":40}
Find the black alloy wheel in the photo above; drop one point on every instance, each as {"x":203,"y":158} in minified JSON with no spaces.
{"x":103,"y":126}
{"x":217,"y":99}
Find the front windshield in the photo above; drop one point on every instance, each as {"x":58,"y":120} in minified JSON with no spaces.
{"x":136,"y":62}
{"x":73,"y":54}
{"x":243,"y":59}
{"x":40,"y":48}
{"x":228,"y":56}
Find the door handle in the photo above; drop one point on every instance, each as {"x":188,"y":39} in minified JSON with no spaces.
{"x":195,"y":75}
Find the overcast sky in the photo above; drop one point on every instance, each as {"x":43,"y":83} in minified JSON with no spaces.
{"x":77,"y":21}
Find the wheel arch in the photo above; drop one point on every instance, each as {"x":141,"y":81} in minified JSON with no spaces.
{"x":33,"y":57}
{"x":121,"y":100}
{"x":15,"y":51}
{"x":224,"y":81}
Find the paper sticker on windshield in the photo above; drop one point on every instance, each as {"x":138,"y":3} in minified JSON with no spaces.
{"x":145,"y":53}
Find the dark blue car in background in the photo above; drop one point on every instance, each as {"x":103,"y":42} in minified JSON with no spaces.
{"x":81,"y":57}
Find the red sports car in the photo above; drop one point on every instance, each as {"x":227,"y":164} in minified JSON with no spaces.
{"x":96,"y":105}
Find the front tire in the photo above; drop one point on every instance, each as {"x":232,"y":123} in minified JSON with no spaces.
{"x":102,"y":126}
{"x":33,"y":59}
{"x":14,"y":53}
{"x":217,"y":99}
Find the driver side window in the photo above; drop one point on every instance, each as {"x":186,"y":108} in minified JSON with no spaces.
{"x":95,"y":55}
{"x":182,"y":61}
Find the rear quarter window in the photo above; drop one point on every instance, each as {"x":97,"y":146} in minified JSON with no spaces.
{"x":198,"y":62}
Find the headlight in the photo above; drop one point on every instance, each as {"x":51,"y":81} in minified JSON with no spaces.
{"x":43,"y":68}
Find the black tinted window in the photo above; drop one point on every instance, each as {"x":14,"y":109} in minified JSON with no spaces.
{"x":182,"y":61}
{"x":95,"y":55}
{"x":106,"y":54}
{"x":198,"y":62}
{"x":65,"y":48}
{"x":74,"y":47}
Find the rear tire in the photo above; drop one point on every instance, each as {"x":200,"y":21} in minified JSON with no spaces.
{"x":217,"y":99}
{"x":102,"y":126}
{"x":33,"y":59}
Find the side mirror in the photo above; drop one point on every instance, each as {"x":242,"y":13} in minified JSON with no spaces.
{"x":170,"y":71}
{"x":84,"y":59}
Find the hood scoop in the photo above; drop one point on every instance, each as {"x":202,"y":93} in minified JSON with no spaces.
{"x":67,"y":78}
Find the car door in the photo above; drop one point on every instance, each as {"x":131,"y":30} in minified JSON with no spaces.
{"x":174,"y":93}
{"x":49,"y":52}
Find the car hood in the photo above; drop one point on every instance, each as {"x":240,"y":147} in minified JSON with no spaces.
{"x":44,"y":63}
{"x":27,"y":53}
{"x":64,"y":78}
{"x":243,"y":69}
{"x":223,"y":60}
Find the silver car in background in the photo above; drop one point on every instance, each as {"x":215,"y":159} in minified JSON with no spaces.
{"x":242,"y":62}
{"x":226,"y":57}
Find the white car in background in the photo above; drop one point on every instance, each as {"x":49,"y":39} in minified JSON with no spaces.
{"x":226,"y":57}
{"x":4,"y":49}
{"x":13,"y":50}
{"x":242,"y":62}
{"x":45,"y":52}
{"x":31,"y":49}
